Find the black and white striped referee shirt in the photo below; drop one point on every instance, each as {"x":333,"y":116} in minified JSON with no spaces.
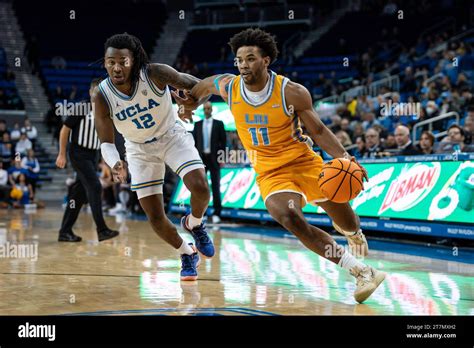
{"x":83,"y":131}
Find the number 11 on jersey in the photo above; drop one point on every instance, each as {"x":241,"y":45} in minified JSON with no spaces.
{"x":263,"y":131}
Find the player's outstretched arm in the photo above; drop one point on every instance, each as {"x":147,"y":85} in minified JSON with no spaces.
{"x":105,"y":130}
{"x":299,"y":99}
{"x":216,"y":85}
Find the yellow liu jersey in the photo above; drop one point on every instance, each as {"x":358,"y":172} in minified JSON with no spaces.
{"x":270,"y":133}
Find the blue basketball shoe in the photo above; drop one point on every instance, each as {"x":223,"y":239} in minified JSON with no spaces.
{"x":203,"y":242}
{"x":189,"y":265}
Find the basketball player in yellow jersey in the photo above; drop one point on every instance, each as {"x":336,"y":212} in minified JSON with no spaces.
{"x":268,"y":111}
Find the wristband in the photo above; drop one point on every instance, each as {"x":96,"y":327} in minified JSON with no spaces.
{"x":110,"y":154}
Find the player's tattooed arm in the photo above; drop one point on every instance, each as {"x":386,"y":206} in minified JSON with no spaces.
{"x":216,"y":84}
{"x":162,"y":75}
{"x":299,"y":101}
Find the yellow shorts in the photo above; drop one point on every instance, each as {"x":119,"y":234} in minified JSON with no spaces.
{"x":299,"y":176}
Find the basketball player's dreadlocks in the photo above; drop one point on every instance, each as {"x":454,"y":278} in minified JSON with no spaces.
{"x":255,"y":37}
{"x":132,"y":43}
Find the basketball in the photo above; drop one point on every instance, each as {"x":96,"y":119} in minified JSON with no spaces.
{"x":340,"y":180}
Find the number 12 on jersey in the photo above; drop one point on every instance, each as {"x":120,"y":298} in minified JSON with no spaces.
{"x":147,"y":121}
{"x":263,"y":131}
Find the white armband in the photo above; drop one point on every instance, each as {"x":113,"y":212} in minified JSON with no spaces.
{"x":110,"y":154}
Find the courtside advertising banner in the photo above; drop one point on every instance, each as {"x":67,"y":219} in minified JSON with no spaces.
{"x":432,"y":191}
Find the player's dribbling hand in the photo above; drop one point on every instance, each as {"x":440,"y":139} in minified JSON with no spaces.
{"x":186,"y":105}
{"x":61,"y":161}
{"x":364,"y":171}
{"x":120,"y":172}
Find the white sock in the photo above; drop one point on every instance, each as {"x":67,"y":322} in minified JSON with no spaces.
{"x":185,"y":248}
{"x":348,"y":261}
{"x":193,"y":221}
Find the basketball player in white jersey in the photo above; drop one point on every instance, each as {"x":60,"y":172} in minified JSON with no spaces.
{"x":135,"y":98}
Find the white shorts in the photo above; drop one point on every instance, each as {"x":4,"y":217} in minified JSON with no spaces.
{"x":146,"y":162}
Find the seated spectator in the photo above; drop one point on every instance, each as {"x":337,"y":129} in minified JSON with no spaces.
{"x":26,"y":190}
{"x":454,"y":141}
{"x":30,"y":130}
{"x":405,"y":145}
{"x":31,"y":164}
{"x":4,"y":187}
{"x":14,"y":172}
{"x":369,"y":120}
{"x":343,"y":138}
{"x":390,"y":142}
{"x":15,"y":132}
{"x":358,"y":130}
{"x":6,"y":150}
{"x":346,"y":126}
{"x":372,"y":144}
{"x":427,"y":140}
{"x":469,"y":128}
{"x":360,"y":151}
{"x":23,"y":145}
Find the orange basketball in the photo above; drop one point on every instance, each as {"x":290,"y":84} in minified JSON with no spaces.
{"x":340,"y":180}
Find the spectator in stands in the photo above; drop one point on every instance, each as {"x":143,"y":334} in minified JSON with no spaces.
{"x":358,"y":130}
{"x":372,"y":144}
{"x":346,"y":126}
{"x":369,"y":120}
{"x":6,"y":148}
{"x":14,"y":172}
{"x":23,"y":145}
{"x":30,"y":130}
{"x":405,"y":145}
{"x":27,"y":195}
{"x":3,"y":128}
{"x":390,"y":143}
{"x":360,"y":151}
{"x":15,"y":132}
{"x":31,"y":164}
{"x":426,"y":145}
{"x":343,"y":138}
{"x":469,"y":128}
{"x":456,"y":138}
{"x":4,"y":187}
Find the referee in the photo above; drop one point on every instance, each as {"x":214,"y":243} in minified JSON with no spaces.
{"x":83,"y":153}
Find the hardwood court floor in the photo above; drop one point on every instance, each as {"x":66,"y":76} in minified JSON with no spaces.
{"x":251,"y":274}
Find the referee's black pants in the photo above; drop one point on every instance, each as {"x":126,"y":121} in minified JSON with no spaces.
{"x":87,"y":188}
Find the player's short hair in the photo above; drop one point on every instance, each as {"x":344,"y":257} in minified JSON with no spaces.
{"x":256,"y":37}
{"x":132,"y":43}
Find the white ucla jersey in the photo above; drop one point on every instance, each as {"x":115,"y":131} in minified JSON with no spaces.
{"x":145,"y":115}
